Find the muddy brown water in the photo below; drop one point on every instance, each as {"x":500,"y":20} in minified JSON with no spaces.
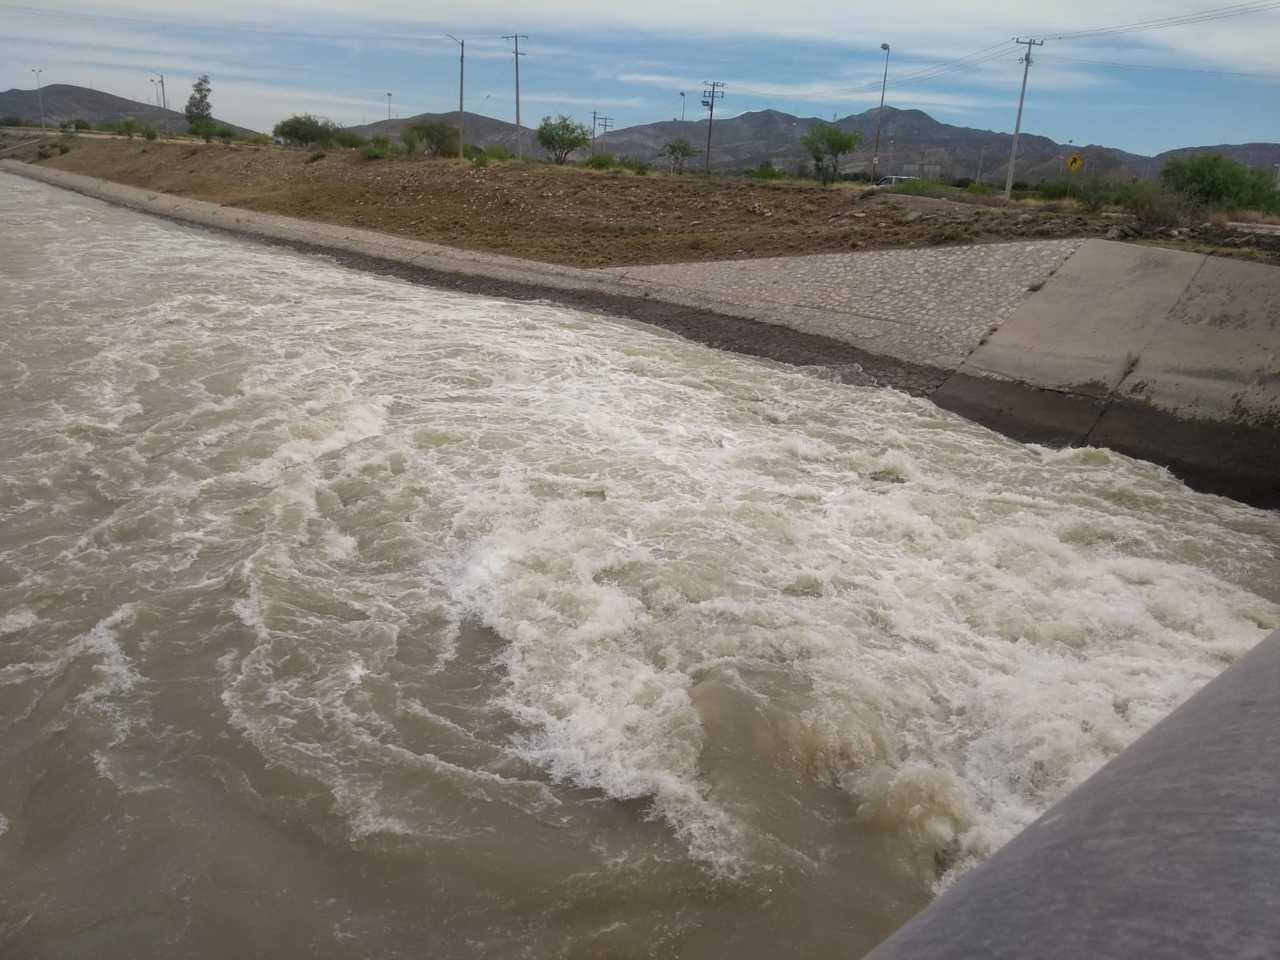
{"x":345,"y":617}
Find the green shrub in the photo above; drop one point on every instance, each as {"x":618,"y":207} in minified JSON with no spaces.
{"x":979,"y":189}
{"x":437,"y":139}
{"x":480,"y":160}
{"x":1216,"y":181}
{"x":11,"y":122}
{"x":303,"y":129}
{"x":635,"y":165}
{"x":470,"y":151}
{"x":1155,"y":207}
{"x":225,"y":134}
{"x":151,"y":133}
{"x":496,"y":151}
{"x":204,"y":129}
{"x":766,"y":171}
{"x":376,"y":149}
{"x":411,"y":137}
{"x":601,"y":161}
{"x":348,"y":139}
{"x":315,"y":155}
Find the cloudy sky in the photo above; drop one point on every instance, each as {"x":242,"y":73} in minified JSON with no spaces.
{"x":1209,"y":82}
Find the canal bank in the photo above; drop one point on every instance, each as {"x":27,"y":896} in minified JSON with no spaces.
{"x":1169,"y":356}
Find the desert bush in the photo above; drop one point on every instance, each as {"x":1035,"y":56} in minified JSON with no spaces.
{"x":258,"y":140}
{"x":225,"y":134}
{"x":561,"y":136}
{"x":979,"y":189}
{"x":376,"y":149}
{"x":496,"y":151}
{"x":766,"y":171}
{"x":348,"y":139}
{"x":437,"y":139}
{"x":412,"y":140}
{"x":601,"y":161}
{"x":151,"y":133}
{"x":12,"y":122}
{"x":1154,"y":207}
{"x":302,"y":129}
{"x":204,"y":129}
{"x":635,"y":165}
{"x":480,"y":160}
{"x":64,"y":147}
{"x":44,"y":152}
{"x":315,"y":155}
{"x":80,"y":123}
{"x":678,"y":153}
{"x":962,"y":183}
{"x":1213,"y":180}
{"x":470,"y":151}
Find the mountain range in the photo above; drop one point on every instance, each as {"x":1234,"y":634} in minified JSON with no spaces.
{"x":912,"y":143}
{"x":64,"y":102}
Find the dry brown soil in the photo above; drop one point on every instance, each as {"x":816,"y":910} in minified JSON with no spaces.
{"x":561,"y":215}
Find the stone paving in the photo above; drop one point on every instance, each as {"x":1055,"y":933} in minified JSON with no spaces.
{"x":930,"y":306}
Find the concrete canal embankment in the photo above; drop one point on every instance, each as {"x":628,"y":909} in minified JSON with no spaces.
{"x":1166,"y":355}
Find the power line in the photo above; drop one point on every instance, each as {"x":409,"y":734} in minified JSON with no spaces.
{"x":1163,"y":23}
{"x":1156,"y":66}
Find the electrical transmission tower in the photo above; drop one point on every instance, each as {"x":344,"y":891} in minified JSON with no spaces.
{"x":1017,"y":127}
{"x":713,"y":90}
{"x":515,"y":38}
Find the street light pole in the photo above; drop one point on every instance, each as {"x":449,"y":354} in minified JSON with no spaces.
{"x":388,"y":104}
{"x":682,"y":106}
{"x":164,"y":97}
{"x":875,"y":152}
{"x":39,"y":95}
{"x":462,"y":57}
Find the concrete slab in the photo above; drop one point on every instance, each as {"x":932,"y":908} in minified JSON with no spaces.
{"x":930,"y":306}
{"x":1084,"y":329}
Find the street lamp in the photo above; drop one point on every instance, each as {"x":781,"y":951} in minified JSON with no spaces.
{"x":388,"y":105}
{"x":682,"y":106}
{"x":875,"y":151}
{"x":39,"y":95}
{"x":462,"y":58}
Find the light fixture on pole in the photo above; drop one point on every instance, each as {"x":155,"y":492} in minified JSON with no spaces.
{"x":39,"y":94}
{"x":875,"y":151}
{"x":462,"y":59}
{"x":388,"y":104}
{"x":681,"y":106}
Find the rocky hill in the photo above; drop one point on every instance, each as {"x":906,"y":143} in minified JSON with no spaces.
{"x":64,"y":102}
{"x":912,"y":143}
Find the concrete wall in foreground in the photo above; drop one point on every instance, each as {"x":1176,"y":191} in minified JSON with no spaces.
{"x":1171,"y":851}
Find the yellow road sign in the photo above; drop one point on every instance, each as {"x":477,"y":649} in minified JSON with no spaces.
{"x":1075,"y":162}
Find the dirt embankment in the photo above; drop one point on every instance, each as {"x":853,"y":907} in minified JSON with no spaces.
{"x":560,"y":215}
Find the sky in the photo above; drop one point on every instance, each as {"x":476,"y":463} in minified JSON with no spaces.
{"x":1147,"y":91}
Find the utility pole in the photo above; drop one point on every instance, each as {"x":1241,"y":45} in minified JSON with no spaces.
{"x":462,"y":59}
{"x":875,"y":152}
{"x":604,"y":132}
{"x":713,"y":91}
{"x":682,"y":106}
{"x":388,"y":104}
{"x":1278,"y":176}
{"x":515,"y":38}
{"x":164,"y":98}
{"x":982,"y":155}
{"x":1017,"y":127}
{"x":39,"y":95}
{"x":593,"y":133}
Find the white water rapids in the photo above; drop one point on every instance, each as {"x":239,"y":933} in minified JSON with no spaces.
{"x":345,"y":616}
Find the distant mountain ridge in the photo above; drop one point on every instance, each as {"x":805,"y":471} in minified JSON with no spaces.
{"x":64,"y":102}
{"x":912,"y":143}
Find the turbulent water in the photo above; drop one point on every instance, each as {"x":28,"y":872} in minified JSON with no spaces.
{"x":345,"y":617}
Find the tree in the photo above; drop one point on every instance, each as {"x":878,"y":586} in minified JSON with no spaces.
{"x":1218,"y":181}
{"x":438,"y":139}
{"x":678,"y":152}
{"x":561,"y":136}
{"x":827,"y":140}
{"x":303,"y":129}
{"x":198,"y":108}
